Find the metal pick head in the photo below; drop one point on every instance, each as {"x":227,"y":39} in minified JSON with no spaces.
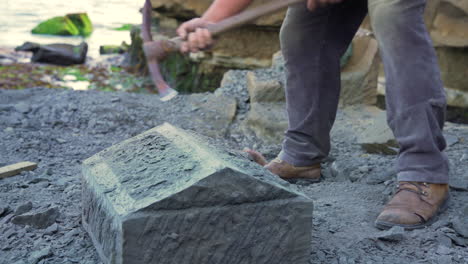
{"x":168,"y":95}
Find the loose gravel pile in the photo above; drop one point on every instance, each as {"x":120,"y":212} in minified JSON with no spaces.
{"x":40,"y":219}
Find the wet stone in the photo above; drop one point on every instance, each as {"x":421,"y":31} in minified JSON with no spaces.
{"x":192,"y":203}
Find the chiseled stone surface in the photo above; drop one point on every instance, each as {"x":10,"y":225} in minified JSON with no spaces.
{"x":167,"y":196}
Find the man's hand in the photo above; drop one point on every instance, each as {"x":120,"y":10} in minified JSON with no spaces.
{"x":195,"y":34}
{"x":314,"y":4}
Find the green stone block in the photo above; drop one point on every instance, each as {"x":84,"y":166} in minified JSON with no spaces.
{"x":82,"y":22}
{"x":61,"y":26}
{"x":70,"y":25}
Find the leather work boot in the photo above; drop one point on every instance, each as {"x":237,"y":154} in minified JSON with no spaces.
{"x":285,"y":170}
{"x":289,"y":172}
{"x":414,"y":205}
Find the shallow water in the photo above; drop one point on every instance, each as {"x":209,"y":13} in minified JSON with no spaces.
{"x":18,"y":17}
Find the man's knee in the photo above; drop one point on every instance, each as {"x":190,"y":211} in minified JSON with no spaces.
{"x":392,"y":17}
{"x":290,"y":39}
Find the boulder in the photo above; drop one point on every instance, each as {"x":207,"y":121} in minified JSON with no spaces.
{"x":450,"y":24}
{"x":167,"y":196}
{"x":61,"y":26}
{"x":264,"y":89}
{"x":268,"y":121}
{"x":82,"y":23}
{"x":454,"y":67}
{"x":367,"y":126}
{"x":359,"y":76}
{"x":69,"y":25}
{"x":59,"y":54}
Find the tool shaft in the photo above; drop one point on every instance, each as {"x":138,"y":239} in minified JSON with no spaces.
{"x":243,"y":18}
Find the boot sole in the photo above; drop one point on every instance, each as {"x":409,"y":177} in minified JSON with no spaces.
{"x":382,"y":225}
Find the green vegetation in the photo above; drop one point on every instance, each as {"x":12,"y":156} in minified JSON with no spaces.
{"x":114,"y":49}
{"x":20,"y":76}
{"x":82,"y":22}
{"x":124,"y":27}
{"x":69,"y":25}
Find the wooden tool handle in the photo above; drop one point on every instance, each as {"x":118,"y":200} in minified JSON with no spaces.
{"x":241,"y":19}
{"x":250,"y":15}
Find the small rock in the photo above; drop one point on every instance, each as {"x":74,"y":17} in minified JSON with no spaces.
{"x":457,"y":240}
{"x":442,"y":224}
{"x":3,"y":210}
{"x":451,"y":140}
{"x":464,"y":157}
{"x":6,"y":219}
{"x":39,"y":220}
{"x":39,"y":255}
{"x":22,"y":108}
{"x":364,"y":169}
{"x":395,"y":234}
{"x":38,"y":180}
{"x":443,"y":250}
{"x":446,"y":259}
{"x":445,"y":241}
{"x":24,"y":208}
{"x":460,"y":225}
{"x":340,"y":171}
{"x":9,"y":130}
{"x":51,"y":229}
{"x":381,"y":177}
{"x":60,"y":140}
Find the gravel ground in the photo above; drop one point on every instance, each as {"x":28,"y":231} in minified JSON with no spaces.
{"x":60,"y":128}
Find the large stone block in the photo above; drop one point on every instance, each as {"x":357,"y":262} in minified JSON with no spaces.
{"x":167,"y":196}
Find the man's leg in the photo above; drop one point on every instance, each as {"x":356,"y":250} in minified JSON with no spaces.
{"x":312,"y":44}
{"x":415,"y":107}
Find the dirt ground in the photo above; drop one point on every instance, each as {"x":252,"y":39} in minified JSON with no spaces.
{"x":59,"y":128}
